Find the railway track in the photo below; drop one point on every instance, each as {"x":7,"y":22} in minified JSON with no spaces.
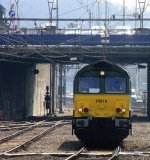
{"x":115,"y":153}
{"x":6,"y":126}
{"x":83,"y":153}
{"x":76,"y":154}
{"x":15,"y":126}
{"x":24,"y":137}
{"x":20,"y":127}
{"x":28,"y":128}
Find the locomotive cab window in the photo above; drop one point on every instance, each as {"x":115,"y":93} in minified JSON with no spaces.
{"x":115,"y":85}
{"x":89,"y":85}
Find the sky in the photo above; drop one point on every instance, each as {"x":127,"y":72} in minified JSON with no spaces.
{"x":39,"y":8}
{"x":74,"y":9}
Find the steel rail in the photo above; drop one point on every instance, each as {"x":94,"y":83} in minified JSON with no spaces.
{"x":135,"y":153}
{"x":45,"y":124}
{"x":2,"y":140}
{"x":12,"y":128}
{"x":75,"y":155}
{"x":115,"y":153}
{"x":19,"y":126}
{"x":25,"y":144}
{"x":64,"y":154}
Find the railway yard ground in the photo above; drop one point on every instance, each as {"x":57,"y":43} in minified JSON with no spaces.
{"x":58,"y":143}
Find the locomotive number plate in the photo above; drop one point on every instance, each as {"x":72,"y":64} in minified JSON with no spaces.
{"x":101,"y":100}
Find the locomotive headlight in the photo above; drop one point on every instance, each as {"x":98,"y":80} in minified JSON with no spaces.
{"x":84,"y":110}
{"x":123,"y":110}
{"x":102,"y":73}
{"x":120,"y":110}
{"x":80,"y":110}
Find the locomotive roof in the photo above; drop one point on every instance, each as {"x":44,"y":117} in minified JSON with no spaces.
{"x":106,"y":65}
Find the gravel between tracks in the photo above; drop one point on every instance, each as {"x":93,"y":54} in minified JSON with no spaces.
{"x":61,"y":140}
{"x":7,"y":133}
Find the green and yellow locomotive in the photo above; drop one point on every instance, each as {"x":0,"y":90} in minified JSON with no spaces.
{"x":101,"y":103}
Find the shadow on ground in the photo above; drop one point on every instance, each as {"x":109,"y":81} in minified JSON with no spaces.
{"x":76,"y":145}
{"x":70,"y":146}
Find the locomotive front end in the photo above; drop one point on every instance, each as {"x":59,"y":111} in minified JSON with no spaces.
{"x":102,"y":103}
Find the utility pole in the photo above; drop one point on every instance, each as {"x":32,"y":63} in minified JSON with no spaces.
{"x":57,"y":6}
{"x":98,"y":10}
{"x":50,"y":7}
{"x":124,"y":12}
{"x":106,"y":11}
{"x":90,"y":14}
{"x":136,"y":13}
{"x":53,"y":5}
{"x":90,"y":17}
{"x":17,"y":10}
{"x":142,"y":9}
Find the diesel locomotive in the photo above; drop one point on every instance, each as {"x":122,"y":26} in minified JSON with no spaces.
{"x":102,"y":103}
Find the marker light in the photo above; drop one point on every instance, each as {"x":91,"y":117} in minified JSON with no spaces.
{"x":102,"y":73}
{"x":80,"y":109}
{"x":118,"y":110}
{"x":85,"y":110}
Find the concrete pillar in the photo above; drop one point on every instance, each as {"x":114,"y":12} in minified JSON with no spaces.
{"x":64,"y":85}
{"x":60,"y":89}
{"x":148,"y":90}
{"x":53,"y":85}
{"x":41,"y":80}
{"x":56,"y":85}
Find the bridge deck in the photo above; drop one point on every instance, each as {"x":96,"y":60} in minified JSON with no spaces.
{"x":80,"y":48}
{"x":74,"y":39}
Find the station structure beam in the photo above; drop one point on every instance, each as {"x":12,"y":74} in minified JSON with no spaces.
{"x":75,"y":19}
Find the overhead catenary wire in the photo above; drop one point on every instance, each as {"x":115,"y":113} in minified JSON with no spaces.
{"x":41,"y":44}
{"x":63,"y":43}
{"x":23,"y":42}
{"x":76,"y":9}
{"x":73,"y":11}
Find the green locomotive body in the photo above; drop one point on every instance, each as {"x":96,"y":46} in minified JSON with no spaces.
{"x":102,"y":103}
